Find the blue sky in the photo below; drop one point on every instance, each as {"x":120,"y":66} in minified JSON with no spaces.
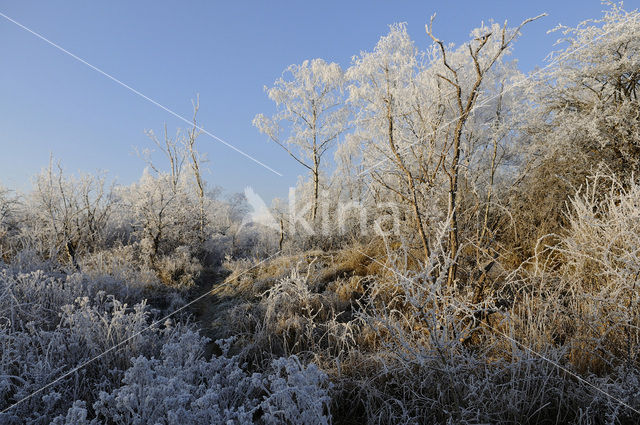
{"x":225,"y":51}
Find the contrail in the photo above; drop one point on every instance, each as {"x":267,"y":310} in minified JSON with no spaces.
{"x":147,"y":98}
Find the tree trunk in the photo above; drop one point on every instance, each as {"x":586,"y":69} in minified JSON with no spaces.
{"x":453,"y":195}
{"x":316,"y":187}
{"x":420,"y":225}
{"x":281,"y":241}
{"x":71,"y":252}
{"x":412,"y":187}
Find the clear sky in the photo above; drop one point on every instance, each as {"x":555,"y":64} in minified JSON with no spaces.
{"x":225,"y":51}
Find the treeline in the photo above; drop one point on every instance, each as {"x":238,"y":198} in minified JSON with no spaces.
{"x":164,"y":228}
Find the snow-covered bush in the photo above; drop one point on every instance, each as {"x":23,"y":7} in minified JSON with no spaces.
{"x":162,"y":213}
{"x":602,"y":244}
{"x":590,"y":111}
{"x":438,"y":357}
{"x":180,"y":387}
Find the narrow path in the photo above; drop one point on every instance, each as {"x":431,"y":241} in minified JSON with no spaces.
{"x":207,"y":309}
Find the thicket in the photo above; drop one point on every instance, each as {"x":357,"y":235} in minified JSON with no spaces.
{"x":470,"y":254}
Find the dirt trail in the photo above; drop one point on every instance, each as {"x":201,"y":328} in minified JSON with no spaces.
{"x":207,"y":310}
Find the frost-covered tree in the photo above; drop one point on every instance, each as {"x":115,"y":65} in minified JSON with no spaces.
{"x":180,"y":152}
{"x":583,"y":115}
{"x":481,"y":55}
{"x":384,"y":91}
{"x":418,"y":124}
{"x":310,"y":116}
{"x":161,"y":216}
{"x":67,"y":215}
{"x":590,"y":110}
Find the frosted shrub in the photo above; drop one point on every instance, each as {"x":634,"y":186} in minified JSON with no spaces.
{"x":295,"y":394}
{"x":168,"y":237}
{"x":121,"y":263}
{"x":428,"y":354}
{"x":290,"y":319}
{"x":590,"y":98}
{"x":179,"y":268}
{"x":8,"y":223}
{"x":30,"y":260}
{"x":76,"y":415}
{"x":587,"y":114}
{"x":162,"y":213}
{"x":48,"y":325}
{"x":601,"y":273}
{"x":433,"y":363}
{"x":182,"y":387}
{"x":602,"y":245}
